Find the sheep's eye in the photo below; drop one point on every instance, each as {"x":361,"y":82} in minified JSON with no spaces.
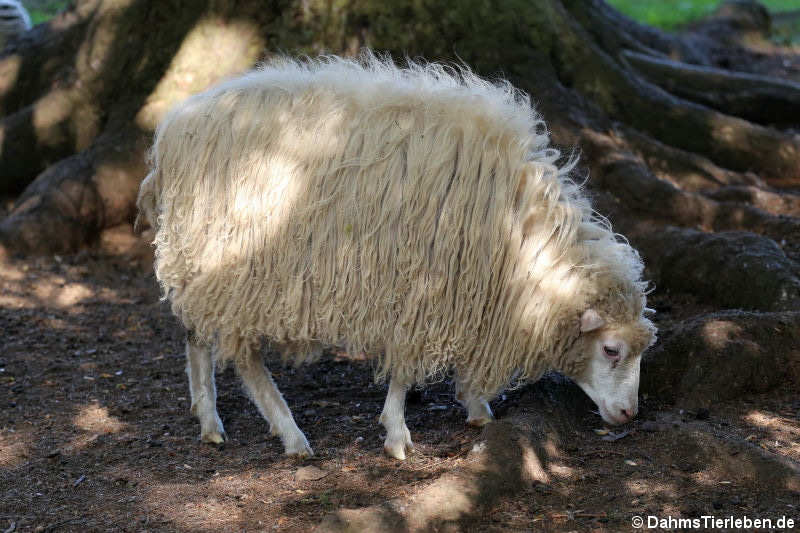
{"x":611,"y":353}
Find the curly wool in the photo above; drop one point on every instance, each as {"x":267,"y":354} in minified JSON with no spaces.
{"x":417,"y":215}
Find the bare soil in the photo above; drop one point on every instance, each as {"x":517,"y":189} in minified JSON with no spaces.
{"x":96,"y":435}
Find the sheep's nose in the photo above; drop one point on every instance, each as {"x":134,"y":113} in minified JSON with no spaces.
{"x":627,"y":414}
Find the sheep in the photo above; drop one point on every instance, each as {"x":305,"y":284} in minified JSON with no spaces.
{"x":417,"y":215}
{"x":14,"y":20}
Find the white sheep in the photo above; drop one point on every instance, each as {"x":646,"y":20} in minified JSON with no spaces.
{"x":416,"y":215}
{"x":14,"y":20}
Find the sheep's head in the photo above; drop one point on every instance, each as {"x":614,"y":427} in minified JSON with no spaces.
{"x":612,"y":352}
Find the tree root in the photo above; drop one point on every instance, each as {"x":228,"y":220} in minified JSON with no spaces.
{"x":55,"y":126}
{"x":614,"y":32}
{"x":73,"y":200}
{"x":686,"y":170}
{"x":761,"y":99}
{"x":571,"y":45}
{"x":725,"y":355}
{"x":631,"y":183}
{"x":771,"y":202}
{"x":726,"y":269}
{"x":43,"y":58}
{"x":728,"y":141}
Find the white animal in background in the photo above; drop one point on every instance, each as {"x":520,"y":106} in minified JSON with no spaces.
{"x":415,"y":214}
{"x":14,"y":20}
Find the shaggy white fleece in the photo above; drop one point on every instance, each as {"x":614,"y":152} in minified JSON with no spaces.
{"x":415,"y":214}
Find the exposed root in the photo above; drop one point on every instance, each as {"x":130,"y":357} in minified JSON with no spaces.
{"x":761,"y":99}
{"x":630,"y":181}
{"x":771,"y":202}
{"x":67,"y":206}
{"x":686,"y":170}
{"x":728,"y":269}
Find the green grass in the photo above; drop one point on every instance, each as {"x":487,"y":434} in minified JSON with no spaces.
{"x":43,"y":10}
{"x":674,"y":13}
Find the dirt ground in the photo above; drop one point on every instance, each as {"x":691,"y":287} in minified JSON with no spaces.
{"x":96,"y":435}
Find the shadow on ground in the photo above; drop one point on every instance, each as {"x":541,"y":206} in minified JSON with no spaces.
{"x":95,"y":434}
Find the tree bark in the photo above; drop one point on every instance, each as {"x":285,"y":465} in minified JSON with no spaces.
{"x":665,"y":143}
{"x":761,"y":99}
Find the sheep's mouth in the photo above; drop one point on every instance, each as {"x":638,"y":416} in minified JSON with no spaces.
{"x":611,"y":420}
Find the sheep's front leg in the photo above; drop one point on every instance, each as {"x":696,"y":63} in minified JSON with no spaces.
{"x":265,"y":394}
{"x":398,"y":438}
{"x":200,"y":369}
{"x":478,"y":411}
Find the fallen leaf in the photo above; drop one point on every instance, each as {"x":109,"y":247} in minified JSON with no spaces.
{"x":631,"y":463}
{"x":603,"y":431}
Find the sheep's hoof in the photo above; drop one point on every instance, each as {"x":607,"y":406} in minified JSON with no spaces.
{"x":298,"y":447}
{"x":479,"y":413}
{"x":397,"y":446}
{"x":214,"y":437}
{"x":479,"y":421}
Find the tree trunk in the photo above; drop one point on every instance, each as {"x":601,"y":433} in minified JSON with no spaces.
{"x":671,"y":137}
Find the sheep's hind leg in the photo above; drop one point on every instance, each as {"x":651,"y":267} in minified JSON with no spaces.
{"x":200,"y":369}
{"x":478,"y":411}
{"x":265,"y":394}
{"x":398,"y":438}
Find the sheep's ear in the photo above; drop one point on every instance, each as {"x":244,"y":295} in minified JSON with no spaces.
{"x":591,"y":320}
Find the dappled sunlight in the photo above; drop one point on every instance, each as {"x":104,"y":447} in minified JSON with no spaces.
{"x":53,"y":292}
{"x":532,"y":466}
{"x":14,"y":447}
{"x":24,"y":287}
{"x":229,"y":45}
{"x":711,"y":477}
{"x":562,"y":471}
{"x":728,"y":131}
{"x":52,"y":285}
{"x":50,"y":114}
{"x":93,"y":54}
{"x":211,"y":504}
{"x":648,"y":487}
{"x":95,"y":419}
{"x":9,"y":71}
{"x":782,"y":433}
{"x":189,"y":508}
{"x":11,"y":272}
{"x":552,"y":449}
{"x":772,"y":422}
{"x":248,"y":207}
{"x":718,"y":333}
{"x":65,"y":295}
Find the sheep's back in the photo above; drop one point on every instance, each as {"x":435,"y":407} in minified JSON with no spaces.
{"x":376,"y":220}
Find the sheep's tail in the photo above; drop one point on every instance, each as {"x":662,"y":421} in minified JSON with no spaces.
{"x":146,"y":204}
